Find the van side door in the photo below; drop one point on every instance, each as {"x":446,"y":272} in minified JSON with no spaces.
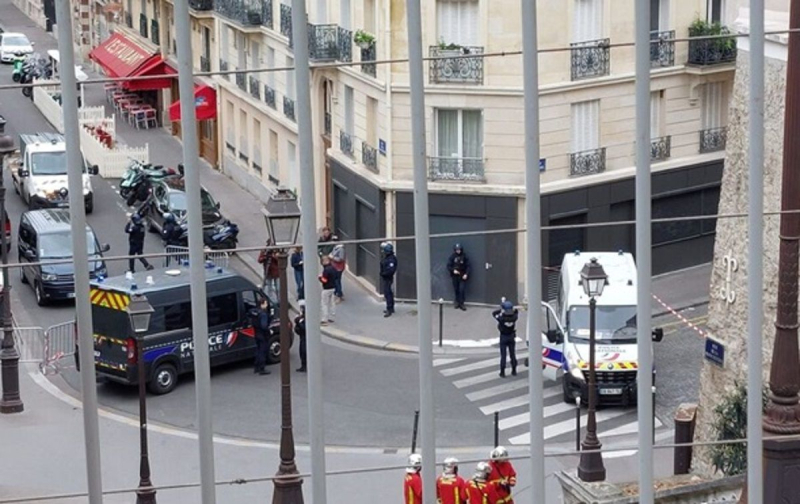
{"x":26,"y":244}
{"x":223,"y":320}
{"x":552,"y":343}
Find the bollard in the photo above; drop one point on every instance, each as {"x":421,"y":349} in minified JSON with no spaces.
{"x":496,"y":428}
{"x":414,"y":434}
{"x":441,"y":321}
{"x":685,"y":418}
{"x":578,"y":423}
{"x":653,"y":390}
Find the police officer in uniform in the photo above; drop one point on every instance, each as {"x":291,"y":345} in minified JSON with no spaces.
{"x":261,"y":325}
{"x":506,"y":318}
{"x":388,"y":270}
{"x":458,"y":266}
{"x":171,"y":232}
{"x":300,"y":331}
{"x":135,"y":230}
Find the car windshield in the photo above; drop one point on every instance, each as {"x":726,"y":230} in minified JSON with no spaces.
{"x":49,"y":163}
{"x":613,"y":324}
{"x":59,"y":245}
{"x":15,"y":41}
{"x":177,"y":202}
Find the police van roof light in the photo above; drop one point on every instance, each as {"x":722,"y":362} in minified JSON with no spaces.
{"x":134,"y":286}
{"x":577,"y":252}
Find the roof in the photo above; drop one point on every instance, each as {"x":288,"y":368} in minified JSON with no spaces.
{"x":620,"y":268}
{"x":16,"y":34}
{"x":122,"y":57}
{"x":44,"y":141}
{"x":50,"y":220}
{"x":160,"y":279}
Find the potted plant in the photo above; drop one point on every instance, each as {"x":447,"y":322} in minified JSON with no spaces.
{"x":363,"y":39}
{"x":451,"y":48}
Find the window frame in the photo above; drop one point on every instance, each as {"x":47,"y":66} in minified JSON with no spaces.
{"x":460,"y":134}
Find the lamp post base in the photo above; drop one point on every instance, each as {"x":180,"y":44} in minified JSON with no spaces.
{"x":146,"y":496}
{"x":11,"y":401}
{"x":781,"y":482}
{"x":288,"y":491}
{"x":591,"y":468}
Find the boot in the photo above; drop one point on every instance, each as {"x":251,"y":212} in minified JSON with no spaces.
{"x":301,"y":369}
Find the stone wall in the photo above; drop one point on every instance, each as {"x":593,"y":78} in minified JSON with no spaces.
{"x":727,"y":320}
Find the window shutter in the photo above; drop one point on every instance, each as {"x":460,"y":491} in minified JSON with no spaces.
{"x":585,"y":126}
{"x":655,"y":114}
{"x":470,"y":11}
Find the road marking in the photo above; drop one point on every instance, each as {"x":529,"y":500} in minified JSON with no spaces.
{"x":504,"y":387}
{"x":628,"y":428}
{"x":523,"y":418}
{"x":444,"y":362}
{"x":517,"y":401}
{"x":494,"y":361}
{"x":565,"y":426}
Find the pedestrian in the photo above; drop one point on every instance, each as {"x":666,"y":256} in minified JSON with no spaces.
{"x":388,"y":270}
{"x":327,"y":278}
{"x":339,"y":262}
{"x":267,"y":259}
{"x":300,"y":331}
{"x":506,"y":318}
{"x":326,"y":236}
{"x":479,"y":489}
{"x":450,"y":487}
{"x":458,"y":266}
{"x":297,"y":265}
{"x":261,"y":325}
{"x":502,"y":475}
{"x":412,"y":486}
{"x":135,"y":230}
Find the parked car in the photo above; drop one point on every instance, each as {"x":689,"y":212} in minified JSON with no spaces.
{"x":169,"y":197}
{"x":14,"y":44}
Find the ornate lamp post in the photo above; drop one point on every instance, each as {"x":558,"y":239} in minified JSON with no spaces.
{"x":282,"y":216}
{"x":139,"y":312}
{"x":9,"y":355}
{"x":590,"y":468}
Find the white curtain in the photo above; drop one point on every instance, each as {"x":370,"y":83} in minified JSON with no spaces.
{"x":587,"y":22}
{"x":458,"y":21}
{"x":349,"y":110}
{"x":585,"y":125}
{"x":655,"y":114}
{"x":447,"y":133}
{"x":712,"y":107}
{"x":472,"y":133}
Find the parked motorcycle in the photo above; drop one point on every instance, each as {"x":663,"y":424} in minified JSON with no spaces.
{"x":221,"y":236}
{"x":19,"y":60}
{"x":138,"y":175}
{"x":34,"y":67}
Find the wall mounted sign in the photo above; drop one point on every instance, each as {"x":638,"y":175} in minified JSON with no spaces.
{"x":715,"y":352}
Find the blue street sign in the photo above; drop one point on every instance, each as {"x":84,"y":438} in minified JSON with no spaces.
{"x":542,"y":165}
{"x":715,"y":352}
{"x":382,"y":146}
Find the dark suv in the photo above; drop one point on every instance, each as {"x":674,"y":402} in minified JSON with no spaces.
{"x":46,"y":235}
{"x":169,"y":196}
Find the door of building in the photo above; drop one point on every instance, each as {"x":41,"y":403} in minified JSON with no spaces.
{"x":474,"y":246}
{"x":207,"y":133}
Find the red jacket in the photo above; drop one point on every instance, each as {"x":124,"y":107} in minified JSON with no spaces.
{"x":482,"y":492}
{"x":412,"y":489}
{"x":451,"y":489}
{"x":503,"y":476}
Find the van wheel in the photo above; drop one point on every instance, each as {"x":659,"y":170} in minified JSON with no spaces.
{"x":569,"y":398}
{"x":90,"y":206}
{"x":38,"y":290}
{"x":274,"y":349}
{"x":164,"y":380}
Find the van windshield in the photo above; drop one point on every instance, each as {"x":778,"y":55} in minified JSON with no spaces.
{"x":109,"y":322}
{"x":59,"y":245}
{"x":49,"y":163}
{"x":613,"y":324}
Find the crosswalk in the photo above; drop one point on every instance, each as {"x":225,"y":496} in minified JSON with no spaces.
{"x":478,"y":379}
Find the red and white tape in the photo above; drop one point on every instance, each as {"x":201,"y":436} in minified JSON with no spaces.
{"x":680,"y":317}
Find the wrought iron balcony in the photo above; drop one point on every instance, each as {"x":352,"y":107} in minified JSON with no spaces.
{"x":244,"y":12}
{"x":454,"y":168}
{"x":662,"y":49}
{"x":590,"y":59}
{"x":345,"y":143}
{"x":269,"y":96}
{"x":712,"y":140}
{"x":155,"y":35}
{"x":328,"y":123}
{"x":707,"y":52}
{"x":455,"y":69}
{"x":587,"y":162}
{"x":205,"y":64}
{"x":369,"y":156}
{"x":288,"y":107}
{"x":255,"y":87}
{"x":223,"y":67}
{"x":266,"y":13}
{"x":286,"y":22}
{"x":143,"y":25}
{"x":369,"y":54}
{"x":241,"y":81}
{"x":128,"y":20}
{"x":660,"y":148}
{"x":323,"y":42}
{"x":201,"y":5}
{"x":345,"y":45}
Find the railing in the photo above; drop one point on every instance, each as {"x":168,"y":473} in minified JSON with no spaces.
{"x":712,"y":51}
{"x":662,"y":49}
{"x":328,"y":123}
{"x":244,"y":12}
{"x":128,"y":20}
{"x":180,"y":256}
{"x":286,"y":22}
{"x":143,"y":25}
{"x":266,"y":13}
{"x":30,"y":344}
{"x":323,"y":42}
{"x":241,"y":81}
{"x":455,"y":168}
{"x":269,"y":96}
{"x":587,"y":162}
{"x":223,"y":67}
{"x":205,"y":64}
{"x":288,"y":107}
{"x":255,"y":87}
{"x":456,"y":70}
{"x":660,"y":148}
{"x":590,"y":59}
{"x":345,"y":41}
{"x":345,"y":143}
{"x":369,"y":156}
{"x":155,"y":35}
{"x":712,"y":140}
{"x":369,"y":54}
{"x":201,"y":5}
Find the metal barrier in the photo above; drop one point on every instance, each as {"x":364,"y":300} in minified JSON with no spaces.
{"x":180,"y":255}
{"x":60,"y":341}
{"x":30,"y":342}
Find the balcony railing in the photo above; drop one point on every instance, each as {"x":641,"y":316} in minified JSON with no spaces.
{"x":328,"y":123}
{"x":369,"y":54}
{"x":662,"y":49}
{"x":201,"y":5}
{"x":266,"y":13}
{"x":369,"y":156}
{"x":143,"y":25}
{"x":286,"y":21}
{"x":269,"y":96}
{"x":712,"y":140}
{"x":590,"y":59}
{"x":706,"y":52}
{"x":255,"y":87}
{"x":455,"y":168}
{"x":660,"y":148}
{"x":128,"y":20}
{"x":587,"y":162}
{"x":455,"y":69}
{"x":155,"y":34}
{"x":244,"y":12}
{"x":223,"y":67}
{"x":345,"y":41}
{"x":346,"y":143}
{"x":241,"y":81}
{"x":205,"y":64}
{"x":288,"y":107}
{"x":323,"y":42}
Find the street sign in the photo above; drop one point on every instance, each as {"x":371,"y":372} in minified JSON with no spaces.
{"x":715,"y":352}
{"x":382,"y":146}
{"x":542,"y":165}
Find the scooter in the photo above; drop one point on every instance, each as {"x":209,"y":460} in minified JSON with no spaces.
{"x":137,"y":173}
{"x":221,"y":236}
{"x":35,"y":67}
{"x":16,"y":74}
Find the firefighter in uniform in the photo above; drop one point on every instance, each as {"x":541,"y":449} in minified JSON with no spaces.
{"x":450,"y":487}
{"x":502,"y":476}
{"x":479,"y":489}
{"x":412,"y":486}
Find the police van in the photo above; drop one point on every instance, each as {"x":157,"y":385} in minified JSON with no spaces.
{"x":168,"y":344}
{"x":566,"y":352}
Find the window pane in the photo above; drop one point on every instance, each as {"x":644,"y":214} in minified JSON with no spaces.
{"x":447,"y":132}
{"x":472,"y":134}
{"x":178,"y":316}
{"x":223,"y":310}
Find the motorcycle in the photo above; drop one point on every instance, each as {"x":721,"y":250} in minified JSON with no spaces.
{"x":35,"y":67}
{"x":139,"y":174}
{"x":221,"y":236}
{"x":19,"y":60}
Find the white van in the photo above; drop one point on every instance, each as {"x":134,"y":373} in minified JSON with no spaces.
{"x":616,"y":356}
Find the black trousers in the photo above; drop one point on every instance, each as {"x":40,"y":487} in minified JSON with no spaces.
{"x":136,"y":249}
{"x":261,"y":353}
{"x":388,"y":293}
{"x":303,"y":351}
{"x":508,"y":345}
{"x":460,"y":289}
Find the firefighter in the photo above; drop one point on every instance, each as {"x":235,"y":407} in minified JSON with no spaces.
{"x":479,"y":489}
{"x":412,"y":486}
{"x":450,"y":487}
{"x":502,"y":476}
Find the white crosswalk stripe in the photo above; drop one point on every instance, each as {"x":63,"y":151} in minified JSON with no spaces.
{"x":510,"y":398}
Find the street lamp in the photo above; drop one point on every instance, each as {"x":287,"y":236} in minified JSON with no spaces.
{"x":282,"y":217}
{"x":9,"y":355}
{"x":590,"y":468}
{"x":139,"y":312}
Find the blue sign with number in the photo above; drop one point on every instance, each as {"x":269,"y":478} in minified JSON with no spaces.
{"x":542,"y":165}
{"x":382,"y":146}
{"x":715,"y":352}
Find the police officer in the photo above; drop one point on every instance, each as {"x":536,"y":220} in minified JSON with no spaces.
{"x":502,"y":475}
{"x":300,"y":331}
{"x":458,"y":266}
{"x":506,"y":318}
{"x":261,"y":325}
{"x":171,"y":232}
{"x":135,"y":230}
{"x":450,"y":487}
{"x":479,"y":489}
{"x":412,"y":485}
{"x":388,"y":270}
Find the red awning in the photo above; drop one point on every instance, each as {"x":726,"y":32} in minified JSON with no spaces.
{"x":205,"y":104}
{"x":122,"y":57}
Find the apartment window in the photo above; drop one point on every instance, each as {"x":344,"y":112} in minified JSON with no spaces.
{"x":294,"y":174}
{"x":588,"y":20}
{"x":207,"y":43}
{"x":143,"y":7}
{"x":659,"y":15}
{"x":321,"y":11}
{"x":344,"y":14}
{"x":459,"y":133}
{"x":290,"y":78}
{"x":369,"y":16}
{"x":349,"y":110}
{"x":230,"y":134}
{"x":458,"y":21}
{"x":255,"y":57}
{"x":656,"y":114}
{"x":372,"y":121}
{"x":244,"y":152}
{"x":271,"y":64}
{"x":241,"y":46}
{"x":713,"y":106}
{"x":257,"y":145}
{"x":716,"y":11}
{"x":273,"y":157}
{"x":224,"y":42}
{"x":585,"y":126}
{"x":130,"y":7}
